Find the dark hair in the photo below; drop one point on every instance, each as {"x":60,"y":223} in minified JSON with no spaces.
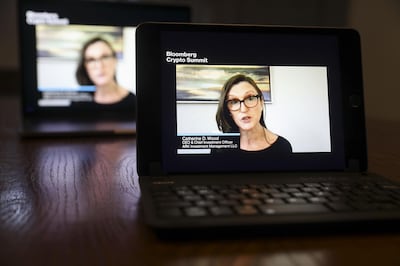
{"x":81,"y":73}
{"x":224,"y":119}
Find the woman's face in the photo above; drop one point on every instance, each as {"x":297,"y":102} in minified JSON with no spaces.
{"x":100,"y":63}
{"x":245,"y":118}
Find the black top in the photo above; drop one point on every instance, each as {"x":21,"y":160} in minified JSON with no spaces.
{"x":127,"y":103}
{"x":281,"y":147}
{"x":123,"y":110}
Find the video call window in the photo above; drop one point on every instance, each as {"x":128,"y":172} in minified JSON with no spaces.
{"x":58,"y":51}
{"x":296,"y":106}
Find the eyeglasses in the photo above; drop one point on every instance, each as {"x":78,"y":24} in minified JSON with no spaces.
{"x":249,"y":102}
{"x":103,"y":59}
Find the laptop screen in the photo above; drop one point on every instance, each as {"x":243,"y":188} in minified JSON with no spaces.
{"x":80,"y":56}
{"x":251,"y":101}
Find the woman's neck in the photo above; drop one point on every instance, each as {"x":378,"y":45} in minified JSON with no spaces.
{"x":256,"y":139}
{"x":110,"y":93}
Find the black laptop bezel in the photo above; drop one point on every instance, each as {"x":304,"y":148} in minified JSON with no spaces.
{"x":150,"y":115}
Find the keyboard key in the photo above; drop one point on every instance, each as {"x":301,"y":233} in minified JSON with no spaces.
{"x":204,"y":203}
{"x":269,"y":190}
{"x":251,"y":202}
{"x":213,"y":197}
{"x":296,"y":200}
{"x":301,"y":195}
{"x":246,"y":210}
{"x":221,"y":210}
{"x":293,"y":208}
{"x":192,"y":198}
{"x":294,"y":185}
{"x":205,"y":191}
{"x":228,"y":202}
{"x":248,"y":190}
{"x":317,"y":199}
{"x":290,"y":190}
{"x":312,"y":184}
{"x":274,"y":201}
{"x":258,"y":195}
{"x":310,"y":189}
{"x":195,"y":211}
{"x":237,"y":196}
{"x":280,"y":195}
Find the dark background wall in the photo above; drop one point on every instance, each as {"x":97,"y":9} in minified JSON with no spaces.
{"x":377,"y":21}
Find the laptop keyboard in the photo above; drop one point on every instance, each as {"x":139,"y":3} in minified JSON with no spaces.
{"x":275,"y":199}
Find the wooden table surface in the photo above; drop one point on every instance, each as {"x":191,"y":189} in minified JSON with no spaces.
{"x":76,"y":202}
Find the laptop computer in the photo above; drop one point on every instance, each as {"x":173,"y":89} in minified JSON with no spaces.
{"x":77,"y":63}
{"x":254,"y":129}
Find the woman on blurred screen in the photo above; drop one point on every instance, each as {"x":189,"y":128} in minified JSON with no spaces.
{"x":241,"y":109}
{"x":97,"y":66}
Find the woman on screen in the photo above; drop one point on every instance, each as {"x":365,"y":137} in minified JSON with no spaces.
{"x":97,"y":66}
{"x":241,"y":109}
